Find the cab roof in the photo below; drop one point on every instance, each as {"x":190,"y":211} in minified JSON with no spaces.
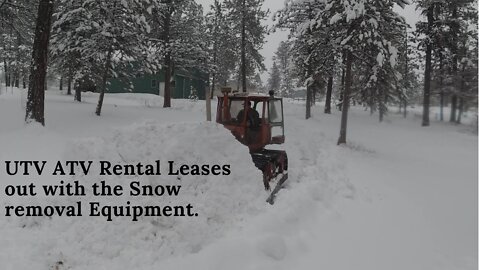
{"x":249,"y":96}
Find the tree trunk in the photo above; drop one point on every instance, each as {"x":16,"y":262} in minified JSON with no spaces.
{"x":167,"y":95}
{"x":215,"y":48}
{"x":243,"y":53}
{"x":106,"y":71}
{"x":24,"y":82}
{"x":78,"y":89}
{"x":442,"y":94}
{"x":381,"y":105}
{"x":69,"y":88}
{"x":460,"y":110}
{"x":61,"y":84}
{"x":69,"y":85}
{"x":38,"y":69}
{"x":212,"y":89}
{"x":168,"y":82}
{"x":314,"y":96}
{"x":7,"y":81}
{"x":213,"y":74}
{"x":442,"y":101}
{"x":342,"y":87}
{"x":453,"y":108}
{"x":405,"y":97}
{"x":371,"y":103}
{"x":428,"y":69}
{"x":455,"y":30}
{"x":346,"y":100}
{"x":328,"y":98}
{"x":78,"y":94}
{"x":308,"y":102}
{"x":310,"y":80}
{"x":462,"y":90}
{"x":208,"y":103}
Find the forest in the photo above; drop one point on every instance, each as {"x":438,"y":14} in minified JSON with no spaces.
{"x":346,"y":52}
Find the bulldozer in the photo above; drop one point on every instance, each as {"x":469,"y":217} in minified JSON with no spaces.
{"x":256,"y":120}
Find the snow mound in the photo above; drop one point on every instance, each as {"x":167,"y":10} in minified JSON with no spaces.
{"x":273,"y":247}
{"x":220,"y":201}
{"x":129,"y":99}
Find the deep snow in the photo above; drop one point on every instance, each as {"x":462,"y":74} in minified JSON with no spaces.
{"x":398,"y":196}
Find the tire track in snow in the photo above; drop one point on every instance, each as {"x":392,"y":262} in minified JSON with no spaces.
{"x":314,"y":159}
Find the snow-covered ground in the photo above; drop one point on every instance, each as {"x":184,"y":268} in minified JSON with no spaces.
{"x":398,"y":196}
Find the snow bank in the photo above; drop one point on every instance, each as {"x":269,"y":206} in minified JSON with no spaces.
{"x":93,"y":243}
{"x":147,"y":101}
{"x":129,"y":99}
{"x":279,"y":237}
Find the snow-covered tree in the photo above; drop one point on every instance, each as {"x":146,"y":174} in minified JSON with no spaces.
{"x":363,"y":31}
{"x":255,"y":83}
{"x":178,"y":30}
{"x":222,"y":49}
{"x":245,"y":17}
{"x":428,"y":30}
{"x":407,"y":68}
{"x":285,"y":65}
{"x":66,"y":61}
{"x":311,"y":47}
{"x":449,"y":24}
{"x":275,"y":78}
{"x":16,"y":38}
{"x":108,"y":37}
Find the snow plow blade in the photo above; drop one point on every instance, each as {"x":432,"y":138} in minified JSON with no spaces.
{"x":271,"y":198}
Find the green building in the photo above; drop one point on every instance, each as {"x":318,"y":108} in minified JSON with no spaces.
{"x":186,"y":81}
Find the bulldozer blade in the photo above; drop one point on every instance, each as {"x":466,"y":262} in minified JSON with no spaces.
{"x":277,"y":188}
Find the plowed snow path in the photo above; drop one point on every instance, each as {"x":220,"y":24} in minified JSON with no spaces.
{"x":410,"y":200}
{"x":416,"y":203}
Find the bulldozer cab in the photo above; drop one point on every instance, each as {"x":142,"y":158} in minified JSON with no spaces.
{"x":255,"y":120}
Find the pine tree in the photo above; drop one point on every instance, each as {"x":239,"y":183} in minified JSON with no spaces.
{"x":367,"y":31}
{"x":448,"y":26}
{"x":255,"y":83}
{"x":285,"y":65}
{"x":406,"y":67}
{"x":462,"y":17}
{"x":108,"y":37}
{"x":428,"y":31}
{"x":245,"y":17}
{"x":16,"y":39}
{"x":222,"y":46}
{"x":275,"y":79}
{"x":312,"y":48}
{"x":178,"y":29}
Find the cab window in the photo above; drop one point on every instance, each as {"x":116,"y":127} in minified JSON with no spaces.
{"x":275,"y":111}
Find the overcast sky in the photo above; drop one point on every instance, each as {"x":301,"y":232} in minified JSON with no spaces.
{"x":410,"y":14}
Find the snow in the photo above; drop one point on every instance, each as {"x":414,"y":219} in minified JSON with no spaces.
{"x":335,"y":18}
{"x":393,"y":55}
{"x":373,"y":22}
{"x":398,"y":196}
{"x":380,"y":58}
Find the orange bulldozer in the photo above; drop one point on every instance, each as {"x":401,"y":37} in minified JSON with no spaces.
{"x":256,"y":120}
